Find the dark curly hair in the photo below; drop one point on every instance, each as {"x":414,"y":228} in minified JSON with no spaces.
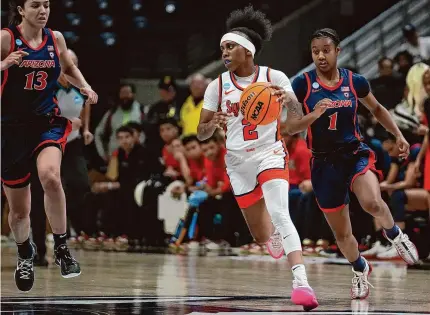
{"x":327,"y":32}
{"x":251,"y":24}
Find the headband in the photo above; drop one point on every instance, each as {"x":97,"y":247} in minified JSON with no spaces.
{"x":241,"y":40}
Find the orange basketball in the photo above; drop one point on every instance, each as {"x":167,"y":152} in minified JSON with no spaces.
{"x":257,"y":104}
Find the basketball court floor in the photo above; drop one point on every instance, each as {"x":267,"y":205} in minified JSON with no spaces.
{"x":125,"y":283}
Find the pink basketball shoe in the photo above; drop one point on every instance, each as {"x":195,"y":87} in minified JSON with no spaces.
{"x":304,"y":295}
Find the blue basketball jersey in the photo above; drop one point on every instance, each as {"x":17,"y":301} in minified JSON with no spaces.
{"x":338,"y":126}
{"x":29,"y":88}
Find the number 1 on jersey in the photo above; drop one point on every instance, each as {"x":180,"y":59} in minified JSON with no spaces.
{"x":333,"y":122}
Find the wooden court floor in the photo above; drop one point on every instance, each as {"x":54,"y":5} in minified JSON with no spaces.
{"x":123,"y":283}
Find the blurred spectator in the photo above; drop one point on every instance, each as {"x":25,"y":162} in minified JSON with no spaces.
{"x":130,"y":164}
{"x":167,"y":106}
{"x":190,"y":111}
{"x":126,"y":110}
{"x":404,"y":61}
{"x":388,"y":87}
{"x":404,"y":186}
{"x":196,"y":160}
{"x":407,"y":113}
{"x":418,"y":47}
{"x":173,"y":153}
{"x":423,"y":159}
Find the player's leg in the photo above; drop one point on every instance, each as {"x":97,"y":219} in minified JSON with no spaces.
{"x":329,"y":179}
{"x":365,"y":185}
{"x":259,"y":222}
{"x":48,"y":161}
{"x":15,"y":173}
{"x":273,"y":178}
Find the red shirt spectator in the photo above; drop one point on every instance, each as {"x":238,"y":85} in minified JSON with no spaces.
{"x":169,"y":159}
{"x":216,"y":172}
{"x":197,"y":168}
{"x":299,"y":162}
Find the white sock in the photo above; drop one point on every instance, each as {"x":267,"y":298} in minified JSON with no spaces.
{"x":299,"y":273}
{"x":275,"y":194}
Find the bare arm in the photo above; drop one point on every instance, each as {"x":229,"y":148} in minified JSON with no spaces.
{"x":392,"y":173}
{"x":73,"y":74}
{"x":206,"y":127}
{"x":408,"y":182}
{"x":296,"y":120}
{"x":86,"y":116}
{"x":5,"y":44}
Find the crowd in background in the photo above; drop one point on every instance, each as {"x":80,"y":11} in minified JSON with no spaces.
{"x":157,"y":144}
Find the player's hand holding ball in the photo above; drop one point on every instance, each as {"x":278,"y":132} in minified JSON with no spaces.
{"x":220,"y":119}
{"x":14,"y":58}
{"x":92,"y":96}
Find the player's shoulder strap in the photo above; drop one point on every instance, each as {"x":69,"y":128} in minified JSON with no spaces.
{"x":308,"y":79}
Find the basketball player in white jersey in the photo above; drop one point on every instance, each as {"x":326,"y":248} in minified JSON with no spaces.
{"x":257,"y":159}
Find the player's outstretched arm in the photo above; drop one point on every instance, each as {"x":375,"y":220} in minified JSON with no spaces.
{"x":384,"y":118}
{"x":296,"y":120}
{"x":73,"y":74}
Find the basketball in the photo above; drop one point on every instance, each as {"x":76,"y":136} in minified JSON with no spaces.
{"x":258,"y":106}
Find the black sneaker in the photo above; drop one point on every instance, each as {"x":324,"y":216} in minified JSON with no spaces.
{"x":69,"y":266}
{"x":24,"y":273}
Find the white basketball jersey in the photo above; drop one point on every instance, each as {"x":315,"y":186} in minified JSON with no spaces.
{"x":241,"y":135}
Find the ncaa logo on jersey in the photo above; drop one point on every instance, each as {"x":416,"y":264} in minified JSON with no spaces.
{"x":315,"y":87}
{"x":18,"y":42}
{"x":346,"y":94}
{"x":77,"y":99}
{"x":226,"y":86}
{"x":51,"y":54}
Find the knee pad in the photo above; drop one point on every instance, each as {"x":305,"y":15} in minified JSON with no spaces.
{"x":275,"y":194}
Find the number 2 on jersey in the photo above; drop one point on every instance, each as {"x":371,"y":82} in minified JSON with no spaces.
{"x":333,"y":122}
{"x":41,"y":81}
{"x":249,"y":132}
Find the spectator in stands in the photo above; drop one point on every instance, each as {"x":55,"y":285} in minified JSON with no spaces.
{"x":126,"y":110}
{"x":404,"y":61}
{"x":167,"y":106}
{"x":219,"y":212}
{"x":407,"y":114}
{"x":130,"y":164}
{"x":388,"y":87}
{"x":173,"y":153}
{"x":423,"y":159}
{"x":417,"y":46}
{"x":404,"y":186}
{"x":195,"y":159}
{"x":190,"y":111}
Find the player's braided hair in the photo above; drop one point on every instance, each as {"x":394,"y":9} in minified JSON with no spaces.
{"x":14,"y":16}
{"x":251,"y":24}
{"x":327,"y":32}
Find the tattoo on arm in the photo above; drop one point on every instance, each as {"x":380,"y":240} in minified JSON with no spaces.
{"x":294,"y":107}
